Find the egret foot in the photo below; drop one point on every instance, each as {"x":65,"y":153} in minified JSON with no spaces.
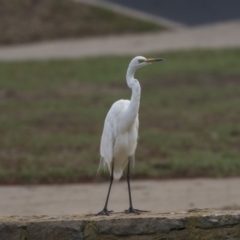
{"x":132,"y":210}
{"x":104,"y":212}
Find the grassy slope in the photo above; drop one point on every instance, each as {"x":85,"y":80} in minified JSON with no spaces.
{"x":52,"y":115}
{"x":22,"y":21}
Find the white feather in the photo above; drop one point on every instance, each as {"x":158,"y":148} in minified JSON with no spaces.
{"x":115,"y":143}
{"x":120,"y":132}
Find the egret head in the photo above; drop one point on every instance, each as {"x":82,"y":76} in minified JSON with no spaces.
{"x":140,"y":61}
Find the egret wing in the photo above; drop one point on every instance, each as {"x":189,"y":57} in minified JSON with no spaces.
{"x":110,"y":132}
{"x":106,"y":147}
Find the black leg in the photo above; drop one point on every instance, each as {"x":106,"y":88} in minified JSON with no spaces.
{"x":131,"y":209}
{"x":105,"y":210}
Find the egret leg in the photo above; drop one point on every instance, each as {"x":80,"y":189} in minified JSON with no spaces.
{"x":131,"y":209}
{"x":105,"y":211}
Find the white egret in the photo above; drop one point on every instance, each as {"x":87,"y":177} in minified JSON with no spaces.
{"x":120,"y":133}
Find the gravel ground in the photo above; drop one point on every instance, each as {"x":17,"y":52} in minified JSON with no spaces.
{"x":157,"y":196}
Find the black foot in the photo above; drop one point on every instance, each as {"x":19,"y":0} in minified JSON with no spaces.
{"x":104,"y":212}
{"x":132,"y":210}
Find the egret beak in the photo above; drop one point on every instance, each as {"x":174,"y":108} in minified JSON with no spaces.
{"x":150,"y":60}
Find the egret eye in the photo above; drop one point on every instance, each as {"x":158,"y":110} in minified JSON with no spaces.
{"x":140,"y":60}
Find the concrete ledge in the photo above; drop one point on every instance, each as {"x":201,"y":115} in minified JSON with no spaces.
{"x":199,"y":224}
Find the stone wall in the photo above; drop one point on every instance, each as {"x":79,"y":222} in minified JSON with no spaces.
{"x":192,"y":225}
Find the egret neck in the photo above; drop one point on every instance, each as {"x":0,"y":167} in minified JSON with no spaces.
{"x":132,"y":109}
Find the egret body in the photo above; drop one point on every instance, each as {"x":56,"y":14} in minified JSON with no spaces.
{"x":120,"y":132}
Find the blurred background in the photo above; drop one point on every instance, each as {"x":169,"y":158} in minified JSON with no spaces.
{"x":63,"y":64}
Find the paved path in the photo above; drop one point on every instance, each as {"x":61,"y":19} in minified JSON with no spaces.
{"x":160,"y":196}
{"x":212,"y":36}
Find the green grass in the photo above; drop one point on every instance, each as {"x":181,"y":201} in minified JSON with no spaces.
{"x":52,"y":115}
{"x":29,"y":21}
